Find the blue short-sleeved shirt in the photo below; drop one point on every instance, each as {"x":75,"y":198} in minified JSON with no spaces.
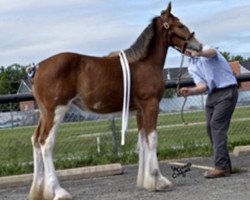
{"x":214,"y":72}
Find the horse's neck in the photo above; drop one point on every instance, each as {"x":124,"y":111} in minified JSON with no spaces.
{"x":158,"y":53}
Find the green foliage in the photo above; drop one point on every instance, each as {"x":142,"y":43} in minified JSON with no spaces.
{"x":11,"y":77}
{"x":231,"y":58}
{"x":169,"y":93}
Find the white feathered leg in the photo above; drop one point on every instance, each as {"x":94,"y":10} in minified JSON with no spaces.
{"x":36,"y":191}
{"x":141,"y":146}
{"x":52,"y":188}
{"x":153,"y":179}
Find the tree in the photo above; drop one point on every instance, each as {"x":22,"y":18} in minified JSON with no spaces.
{"x":231,"y":58}
{"x":239,"y":58}
{"x":11,"y":77}
{"x":226,"y":55}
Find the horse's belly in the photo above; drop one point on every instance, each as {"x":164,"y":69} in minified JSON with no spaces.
{"x":99,"y":106}
{"x":79,"y":103}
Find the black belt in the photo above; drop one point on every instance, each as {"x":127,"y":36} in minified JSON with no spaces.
{"x":224,"y":88}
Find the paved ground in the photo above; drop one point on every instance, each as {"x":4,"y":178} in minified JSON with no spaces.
{"x":191,"y":187}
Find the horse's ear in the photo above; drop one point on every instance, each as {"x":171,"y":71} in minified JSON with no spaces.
{"x":168,"y":10}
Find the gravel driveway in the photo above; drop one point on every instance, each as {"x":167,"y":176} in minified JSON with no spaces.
{"x":123,"y":187}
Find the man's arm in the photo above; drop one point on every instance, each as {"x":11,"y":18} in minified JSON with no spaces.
{"x":198,"y":89}
{"x":209,"y":53}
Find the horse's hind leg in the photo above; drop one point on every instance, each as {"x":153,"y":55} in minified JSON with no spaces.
{"x":141,"y":146}
{"x":36,"y":191}
{"x":52,"y":188}
{"x":141,"y":164}
{"x":43,"y":164}
{"x":153,"y":179}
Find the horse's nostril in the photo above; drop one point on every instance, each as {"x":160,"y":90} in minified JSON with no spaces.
{"x":200,"y":48}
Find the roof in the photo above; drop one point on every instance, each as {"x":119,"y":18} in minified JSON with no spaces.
{"x":25,"y":87}
{"x":245,"y":64}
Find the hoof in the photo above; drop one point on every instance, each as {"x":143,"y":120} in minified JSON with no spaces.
{"x":65,"y":197}
{"x":56,"y":194}
{"x":35,"y":193}
{"x":35,"y":196}
{"x":157,"y":182}
{"x":62,"y":194}
{"x":163,"y":184}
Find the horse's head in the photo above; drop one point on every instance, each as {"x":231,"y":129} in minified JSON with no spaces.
{"x":179,"y":36}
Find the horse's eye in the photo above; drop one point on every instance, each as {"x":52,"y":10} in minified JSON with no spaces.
{"x":181,"y":26}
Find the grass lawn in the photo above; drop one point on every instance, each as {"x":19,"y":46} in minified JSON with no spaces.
{"x":76,"y":142}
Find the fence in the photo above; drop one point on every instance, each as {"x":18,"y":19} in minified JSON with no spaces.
{"x":86,"y":139}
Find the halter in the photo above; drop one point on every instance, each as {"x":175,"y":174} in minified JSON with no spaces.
{"x":172,"y":34}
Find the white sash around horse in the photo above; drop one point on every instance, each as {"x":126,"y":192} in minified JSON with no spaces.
{"x":126,"y":94}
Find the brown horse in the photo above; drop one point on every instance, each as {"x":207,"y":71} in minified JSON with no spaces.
{"x":96,"y":84}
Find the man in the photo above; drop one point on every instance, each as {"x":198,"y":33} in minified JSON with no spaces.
{"x":212,"y":74}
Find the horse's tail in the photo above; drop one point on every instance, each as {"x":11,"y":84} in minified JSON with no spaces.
{"x":31,"y":70}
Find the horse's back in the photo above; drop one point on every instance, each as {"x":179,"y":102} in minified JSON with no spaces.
{"x":66,"y":76}
{"x":67,"y":60}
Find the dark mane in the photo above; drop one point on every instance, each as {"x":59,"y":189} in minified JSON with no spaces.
{"x":139,"y":49}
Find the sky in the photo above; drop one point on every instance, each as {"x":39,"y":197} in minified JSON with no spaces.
{"x":32,"y":30}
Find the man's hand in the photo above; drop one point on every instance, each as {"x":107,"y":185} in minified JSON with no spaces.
{"x":192,"y":53}
{"x":186,"y":91}
{"x":198,"y":89}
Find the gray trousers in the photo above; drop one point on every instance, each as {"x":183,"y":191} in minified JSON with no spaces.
{"x":220,"y":106}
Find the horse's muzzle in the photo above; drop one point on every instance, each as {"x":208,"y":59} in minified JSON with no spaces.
{"x":194,"y":45}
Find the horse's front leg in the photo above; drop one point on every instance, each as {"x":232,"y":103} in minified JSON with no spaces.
{"x":153,"y":179}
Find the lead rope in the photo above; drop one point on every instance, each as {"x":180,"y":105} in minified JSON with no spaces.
{"x":126,"y":94}
{"x":178,"y":89}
